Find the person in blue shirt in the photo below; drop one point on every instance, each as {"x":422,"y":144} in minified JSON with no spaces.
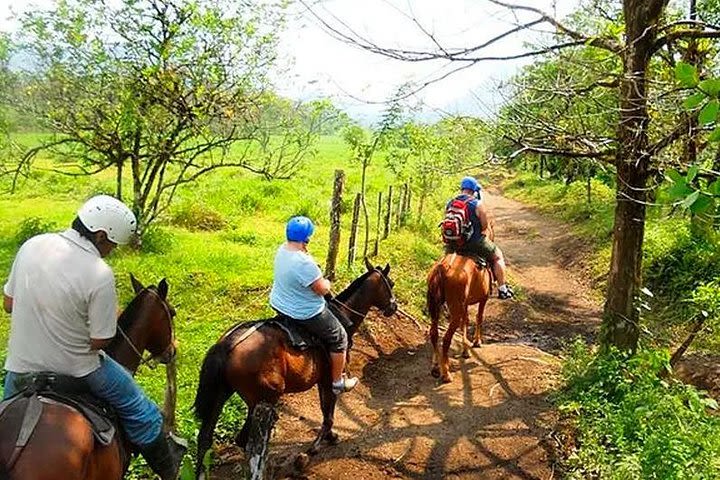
{"x":298,"y":292}
{"x":479,"y":244}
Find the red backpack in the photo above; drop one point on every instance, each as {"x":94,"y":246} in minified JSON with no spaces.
{"x":456,"y":226}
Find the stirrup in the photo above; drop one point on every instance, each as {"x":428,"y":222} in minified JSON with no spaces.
{"x":347,"y":385}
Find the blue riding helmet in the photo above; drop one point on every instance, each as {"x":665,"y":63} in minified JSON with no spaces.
{"x":469,"y":183}
{"x":299,"y":229}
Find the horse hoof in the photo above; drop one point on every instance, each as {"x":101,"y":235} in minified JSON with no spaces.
{"x":435,"y":372}
{"x":332,"y":438}
{"x":301,"y":461}
{"x":465,"y":354}
{"x":477,"y":344}
{"x":446,"y":379}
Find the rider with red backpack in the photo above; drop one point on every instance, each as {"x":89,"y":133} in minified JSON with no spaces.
{"x":465,"y":230}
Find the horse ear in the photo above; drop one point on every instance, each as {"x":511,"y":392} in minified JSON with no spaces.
{"x":386,"y":270}
{"x":368,"y":265}
{"x":137,"y":286}
{"x":163,"y":289}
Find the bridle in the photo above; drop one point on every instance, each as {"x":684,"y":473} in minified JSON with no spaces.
{"x":392,"y":302}
{"x":151,"y":360}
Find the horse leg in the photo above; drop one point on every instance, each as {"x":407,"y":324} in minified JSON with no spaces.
{"x":207,"y":428}
{"x":261,"y":426}
{"x":455,"y":318}
{"x":435,"y":368}
{"x":477,"y":337}
{"x":328,"y":399}
{"x":465,"y":341}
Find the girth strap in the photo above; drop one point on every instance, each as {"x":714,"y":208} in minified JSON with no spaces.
{"x":33,"y":410}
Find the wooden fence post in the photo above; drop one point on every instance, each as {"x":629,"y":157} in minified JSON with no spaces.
{"x":398,"y":209}
{"x":169,"y":405}
{"x":376,"y":250}
{"x":409,"y":198}
{"x":388,"y":213}
{"x":354,"y":229}
{"x":404,"y":210}
{"x":335,"y":213}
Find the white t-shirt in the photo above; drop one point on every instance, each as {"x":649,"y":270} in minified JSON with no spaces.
{"x":63,"y":295}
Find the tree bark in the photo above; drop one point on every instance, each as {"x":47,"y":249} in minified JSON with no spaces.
{"x":335,"y":213}
{"x":620,"y":322}
{"x":352,"y":244}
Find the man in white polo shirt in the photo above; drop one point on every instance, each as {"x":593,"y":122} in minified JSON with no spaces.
{"x":63,"y":304}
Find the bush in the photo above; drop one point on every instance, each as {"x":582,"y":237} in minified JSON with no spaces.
{"x":196,"y":216}
{"x":633,"y":424}
{"x":244,"y":238}
{"x":157,"y":240}
{"x":32,"y":226}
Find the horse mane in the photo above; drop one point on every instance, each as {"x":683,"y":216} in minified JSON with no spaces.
{"x":345,"y":294}
{"x":127,"y":318}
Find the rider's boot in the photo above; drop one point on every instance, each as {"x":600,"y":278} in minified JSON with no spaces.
{"x":164,"y":455}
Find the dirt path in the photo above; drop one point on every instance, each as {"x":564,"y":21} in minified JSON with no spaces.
{"x":493,"y":420}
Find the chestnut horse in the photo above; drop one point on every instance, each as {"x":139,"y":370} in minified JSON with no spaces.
{"x":261,"y":367}
{"x":62,"y":446}
{"x":458,"y":282}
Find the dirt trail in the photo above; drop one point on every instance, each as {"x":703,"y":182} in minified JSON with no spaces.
{"x":493,"y":420}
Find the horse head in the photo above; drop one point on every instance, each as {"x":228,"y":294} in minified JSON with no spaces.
{"x":382,"y":292}
{"x":147,"y":323}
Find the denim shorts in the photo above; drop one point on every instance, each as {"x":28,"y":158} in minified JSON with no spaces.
{"x":328,"y":329}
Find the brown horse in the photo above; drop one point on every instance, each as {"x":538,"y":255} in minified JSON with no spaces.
{"x":457,"y":282}
{"x":262,"y":367}
{"x":62,"y":446}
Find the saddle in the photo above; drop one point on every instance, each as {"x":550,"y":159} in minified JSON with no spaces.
{"x":298,"y":337}
{"x":36,"y":389}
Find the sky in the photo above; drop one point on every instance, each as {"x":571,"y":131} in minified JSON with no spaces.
{"x":318,"y":65}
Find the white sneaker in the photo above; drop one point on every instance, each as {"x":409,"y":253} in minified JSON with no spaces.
{"x":344,"y":385}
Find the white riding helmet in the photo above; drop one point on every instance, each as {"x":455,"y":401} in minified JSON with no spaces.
{"x":110,"y":215}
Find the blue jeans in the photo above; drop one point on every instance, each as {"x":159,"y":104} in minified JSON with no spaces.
{"x":140,"y":417}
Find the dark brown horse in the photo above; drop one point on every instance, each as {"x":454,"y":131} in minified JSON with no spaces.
{"x":457,"y":282}
{"x":62,"y":446}
{"x":263,"y":367}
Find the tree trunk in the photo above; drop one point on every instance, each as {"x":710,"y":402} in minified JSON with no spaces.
{"x":620,"y":320}
{"x":118,"y":180}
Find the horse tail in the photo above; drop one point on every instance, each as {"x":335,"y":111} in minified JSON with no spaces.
{"x":435,"y":291}
{"x":4,"y":473}
{"x":212,"y":380}
{"x":212,"y":393}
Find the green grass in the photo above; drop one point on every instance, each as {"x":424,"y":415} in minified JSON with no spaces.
{"x":221,"y":275}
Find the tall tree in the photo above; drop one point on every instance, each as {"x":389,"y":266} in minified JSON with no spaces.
{"x":645,"y":33}
{"x":161,"y":91}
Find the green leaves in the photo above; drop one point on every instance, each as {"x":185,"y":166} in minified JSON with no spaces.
{"x":686,"y":74}
{"x":694,"y":100}
{"x":709,"y":112}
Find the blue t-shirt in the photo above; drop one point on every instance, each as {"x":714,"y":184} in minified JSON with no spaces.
{"x":474,"y":219}
{"x":291,"y":293}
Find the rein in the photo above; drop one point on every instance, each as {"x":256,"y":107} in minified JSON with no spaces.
{"x":150,"y":360}
{"x":362,"y":315}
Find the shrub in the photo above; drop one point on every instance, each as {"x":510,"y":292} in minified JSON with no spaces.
{"x":631,"y":423}
{"x":157,"y":240}
{"x":196,"y":216}
{"x":32,"y":226}
{"x":245,"y":238}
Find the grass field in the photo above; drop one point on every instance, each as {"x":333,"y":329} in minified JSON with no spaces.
{"x":222,"y":276}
